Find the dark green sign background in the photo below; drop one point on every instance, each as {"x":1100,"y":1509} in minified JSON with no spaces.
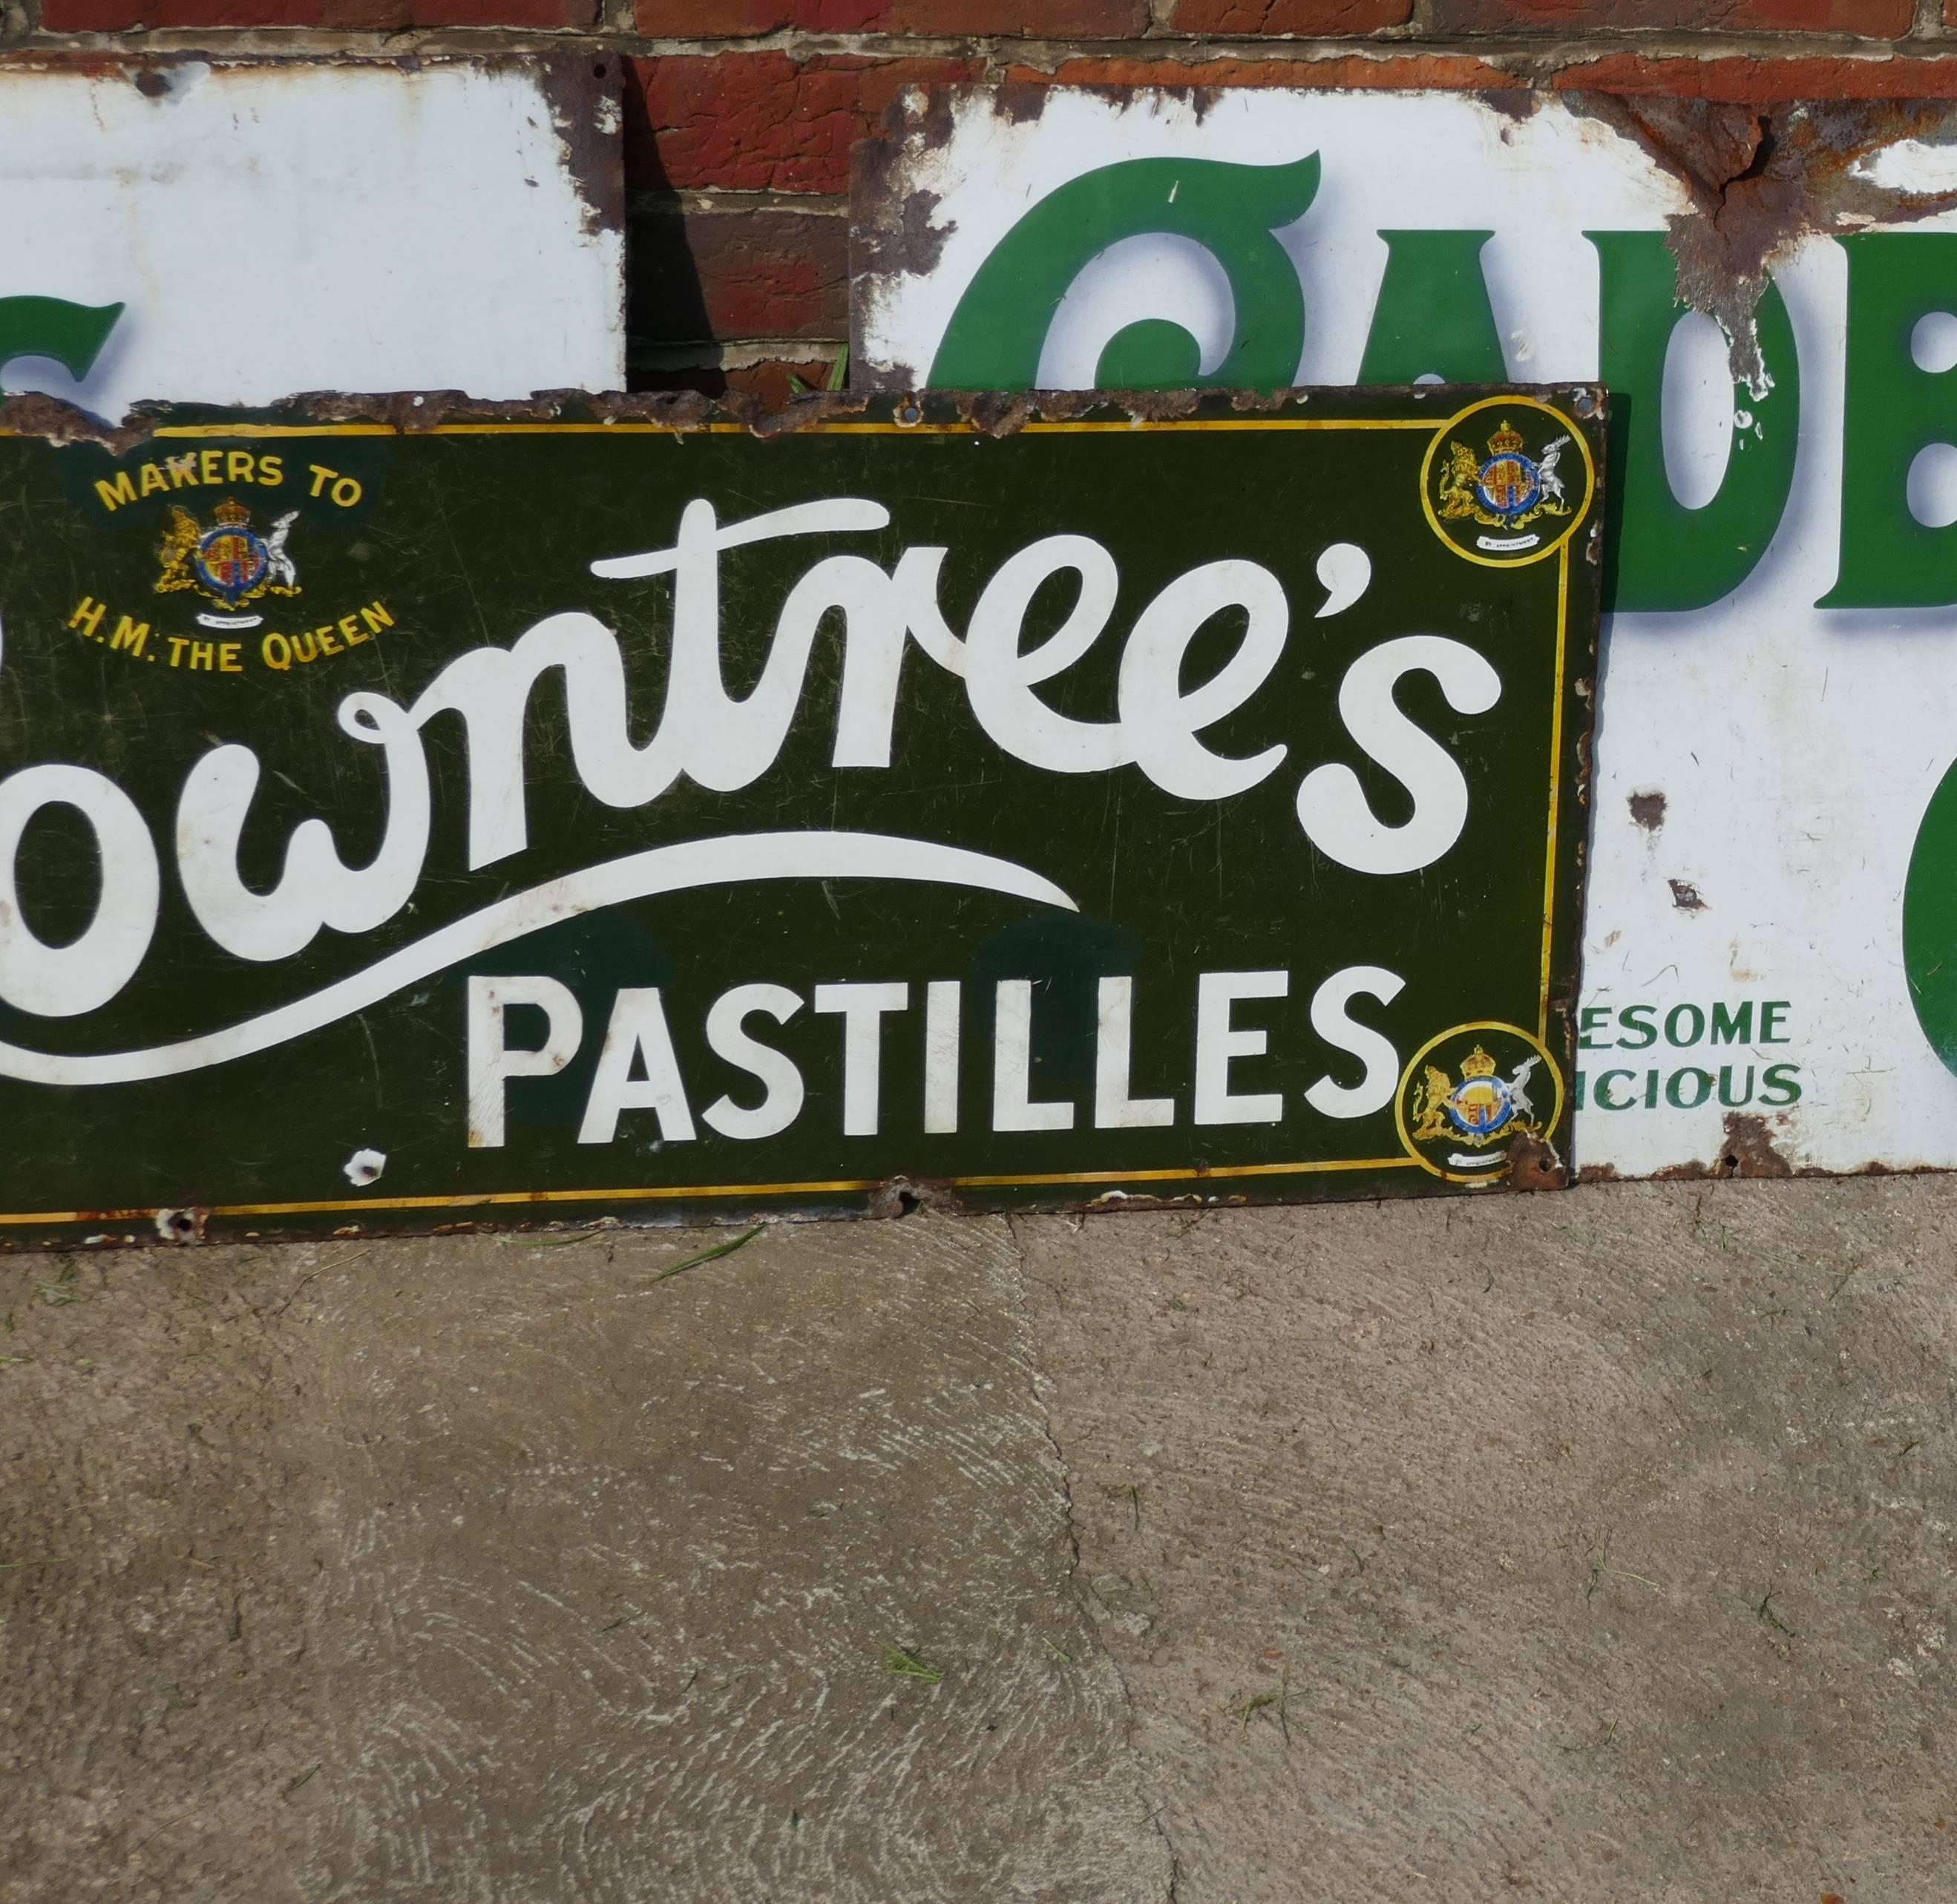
{"x":412,"y":551}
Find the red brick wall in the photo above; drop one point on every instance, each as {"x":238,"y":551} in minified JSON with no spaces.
{"x":740,"y":114}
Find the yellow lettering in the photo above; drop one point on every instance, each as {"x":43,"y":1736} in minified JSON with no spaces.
{"x":87,"y":616}
{"x":271,"y":470}
{"x":182,"y":469}
{"x":321,"y":476}
{"x":203,"y":654}
{"x":346,"y":492}
{"x":376,"y":617}
{"x":304,"y":648}
{"x":351,"y":632}
{"x":238,"y":465}
{"x":228,"y":663}
{"x":153,"y":480}
{"x":327,"y":645}
{"x":118,"y":489}
{"x":129,"y":634}
{"x":178,"y":644}
{"x":280,"y":657}
{"x":208,"y":464}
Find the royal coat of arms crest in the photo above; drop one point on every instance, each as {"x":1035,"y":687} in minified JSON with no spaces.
{"x":1522,"y":495}
{"x":1484,"y":1108}
{"x":1506,"y":487}
{"x":230,"y":562}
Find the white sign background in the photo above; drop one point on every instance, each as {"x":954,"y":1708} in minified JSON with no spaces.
{"x":1796,"y":749}
{"x":276,"y":228}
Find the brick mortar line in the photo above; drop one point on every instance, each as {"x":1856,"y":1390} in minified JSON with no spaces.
{"x":1387,"y":40}
{"x":1652,"y":43}
{"x":731,"y":353}
{"x":714,"y":201}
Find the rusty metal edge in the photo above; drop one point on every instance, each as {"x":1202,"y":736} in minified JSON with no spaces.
{"x":987,"y":412}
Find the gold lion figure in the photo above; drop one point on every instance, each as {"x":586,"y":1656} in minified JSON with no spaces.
{"x":178,"y":545}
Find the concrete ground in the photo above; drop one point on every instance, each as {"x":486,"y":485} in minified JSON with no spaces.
{"x":1595,"y":1546}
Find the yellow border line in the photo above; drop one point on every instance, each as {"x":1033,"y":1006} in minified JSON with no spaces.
{"x":1555,"y":768}
{"x":1185,"y":1176}
{"x":181,"y":432}
{"x":656,"y":1193}
{"x":1085,"y":428}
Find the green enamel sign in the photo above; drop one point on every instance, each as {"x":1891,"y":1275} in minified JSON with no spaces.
{"x":505,"y":822}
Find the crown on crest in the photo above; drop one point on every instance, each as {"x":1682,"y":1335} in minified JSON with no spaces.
{"x":231,"y":513}
{"x":1477,"y":1063}
{"x":1505,"y":442}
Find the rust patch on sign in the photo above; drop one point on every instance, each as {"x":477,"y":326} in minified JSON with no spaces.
{"x":1685,"y":895}
{"x":906,"y":1196}
{"x":185,"y":1225}
{"x":1750,"y":1150}
{"x":1648,"y":810}
{"x":1535,"y":1165}
{"x":1019,"y":103}
{"x":906,"y":235}
{"x":1760,"y":180}
{"x":34,"y":413}
{"x":585,"y":99}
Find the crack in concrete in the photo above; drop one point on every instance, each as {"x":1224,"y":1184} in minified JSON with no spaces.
{"x":1075,"y":1577}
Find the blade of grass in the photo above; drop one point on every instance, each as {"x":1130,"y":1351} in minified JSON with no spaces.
{"x":718,"y":1249}
{"x":907,"y":1664}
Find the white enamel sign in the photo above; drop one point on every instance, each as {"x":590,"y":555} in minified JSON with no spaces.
{"x":1778,"y":694}
{"x":241,"y":233}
